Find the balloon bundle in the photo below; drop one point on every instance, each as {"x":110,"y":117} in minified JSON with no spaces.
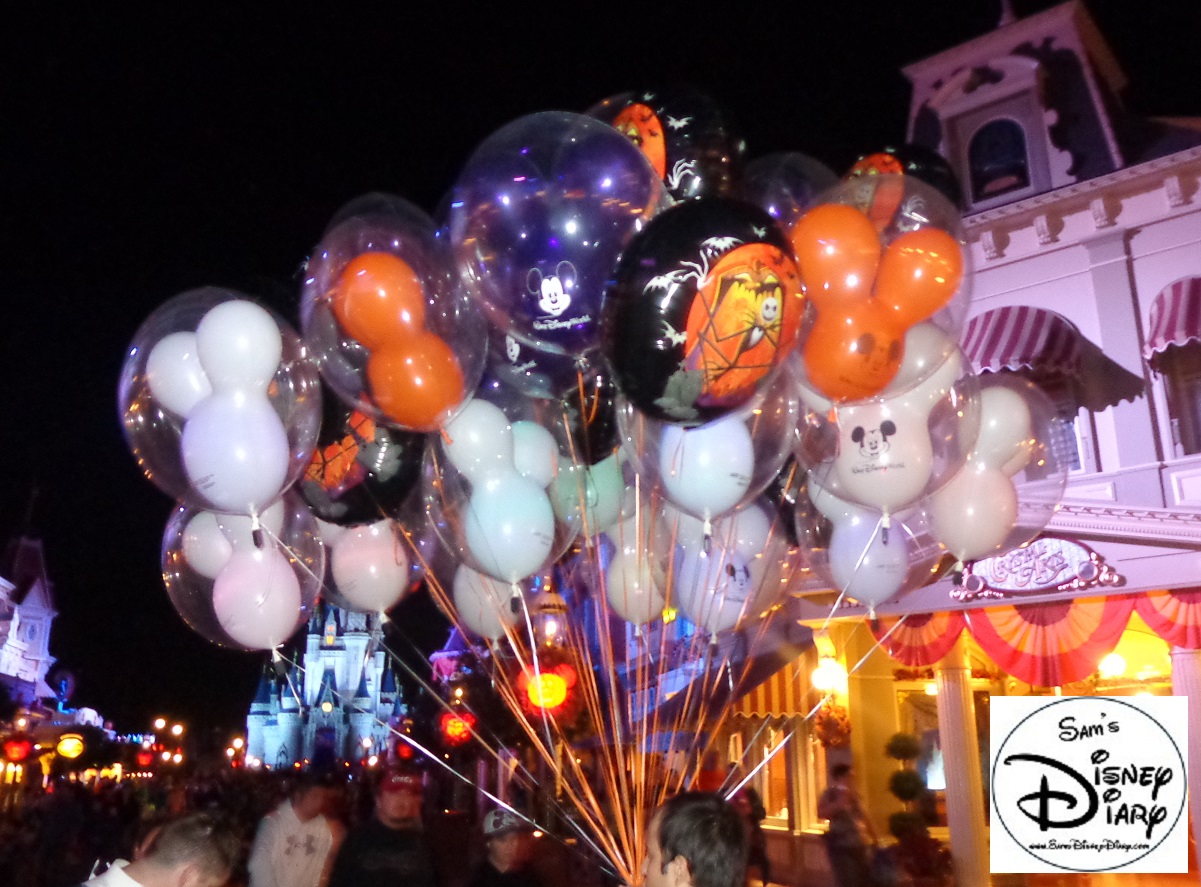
{"x":567,"y":407}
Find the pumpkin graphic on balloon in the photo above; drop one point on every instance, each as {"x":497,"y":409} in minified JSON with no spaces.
{"x":706,"y":304}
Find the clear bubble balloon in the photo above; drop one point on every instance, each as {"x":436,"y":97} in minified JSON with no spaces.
{"x":382,"y":310}
{"x":250,"y":593}
{"x":1013,"y":481}
{"x":539,"y":216}
{"x":232,"y":435}
{"x":868,"y":285}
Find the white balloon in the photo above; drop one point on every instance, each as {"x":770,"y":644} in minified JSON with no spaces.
{"x":479,"y":441}
{"x":174,"y":374}
{"x":370,"y":567}
{"x":862,"y":564}
{"x":1006,"y":439}
{"x":509,"y":526}
{"x":636,"y":577}
{"x":256,"y":598}
{"x":931,"y":358}
{"x":205,"y":547}
{"x":707,"y":470}
{"x":240,"y":345}
{"x":974,"y":513}
{"x":535,"y":453}
{"x":885,"y":457}
{"x":633,"y":588}
{"x":239,"y":528}
{"x":714,"y":589}
{"x":235,"y":452}
{"x":483,"y":603}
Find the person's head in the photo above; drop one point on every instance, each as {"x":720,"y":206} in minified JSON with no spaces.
{"x":505,"y":835}
{"x":194,"y":850}
{"x":315,"y":795}
{"x":695,"y":839}
{"x":840,"y":773}
{"x":398,"y":799}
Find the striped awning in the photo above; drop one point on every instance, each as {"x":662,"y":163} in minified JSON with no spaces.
{"x":780,"y":695}
{"x":1175,"y":317}
{"x":1173,"y":615}
{"x":1022,"y":337}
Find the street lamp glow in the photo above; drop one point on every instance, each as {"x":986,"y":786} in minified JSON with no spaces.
{"x":160,"y":723}
{"x":238,"y":742}
{"x":229,"y":753}
{"x":177,"y":729}
{"x":177,"y":757}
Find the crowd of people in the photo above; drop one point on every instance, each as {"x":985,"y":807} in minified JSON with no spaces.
{"x":320,"y":829}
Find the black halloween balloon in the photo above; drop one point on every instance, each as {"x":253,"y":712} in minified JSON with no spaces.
{"x":883,"y":193}
{"x":685,"y":135}
{"x":361,"y":470}
{"x":706,"y":303}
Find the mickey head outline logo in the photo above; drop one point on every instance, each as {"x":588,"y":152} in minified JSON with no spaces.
{"x":553,"y":291}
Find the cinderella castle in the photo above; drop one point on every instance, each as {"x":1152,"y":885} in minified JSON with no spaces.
{"x":337,"y":703}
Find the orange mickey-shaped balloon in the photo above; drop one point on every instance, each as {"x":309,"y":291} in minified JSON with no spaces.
{"x":853,"y":351}
{"x":919,"y":273}
{"x":378,"y":298}
{"x":416,"y":380}
{"x":838,"y":251}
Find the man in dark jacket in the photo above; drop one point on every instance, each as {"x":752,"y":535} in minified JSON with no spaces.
{"x":507,"y":843}
{"x":390,"y":849}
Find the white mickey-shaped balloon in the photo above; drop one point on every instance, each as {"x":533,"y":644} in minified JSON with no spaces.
{"x":234,"y":445}
{"x":535,"y":453}
{"x":868,"y":562}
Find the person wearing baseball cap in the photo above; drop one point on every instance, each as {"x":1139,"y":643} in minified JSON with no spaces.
{"x":507,"y":844}
{"x":390,"y":849}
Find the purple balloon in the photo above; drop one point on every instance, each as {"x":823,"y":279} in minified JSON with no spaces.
{"x":538,"y":219}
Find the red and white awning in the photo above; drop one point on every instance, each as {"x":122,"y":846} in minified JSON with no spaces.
{"x":1175,"y":317}
{"x":1022,"y":337}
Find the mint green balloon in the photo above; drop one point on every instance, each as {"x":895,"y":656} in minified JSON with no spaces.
{"x":589,"y":498}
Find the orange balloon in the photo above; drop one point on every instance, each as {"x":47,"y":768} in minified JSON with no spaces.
{"x":378,"y":298}
{"x":853,"y":353}
{"x":919,"y":273}
{"x":416,"y":381}
{"x":838,"y":251}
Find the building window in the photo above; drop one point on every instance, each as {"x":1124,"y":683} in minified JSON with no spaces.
{"x":1181,"y":367}
{"x":997,"y":159}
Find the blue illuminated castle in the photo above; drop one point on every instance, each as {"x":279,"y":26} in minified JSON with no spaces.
{"x":336,"y":701}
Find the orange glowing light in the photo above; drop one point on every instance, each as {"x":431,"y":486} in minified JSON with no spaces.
{"x":547,"y":690}
{"x":70,"y":745}
{"x":456,"y":728}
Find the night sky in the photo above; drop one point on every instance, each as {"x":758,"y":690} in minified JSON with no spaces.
{"x":142,"y":156}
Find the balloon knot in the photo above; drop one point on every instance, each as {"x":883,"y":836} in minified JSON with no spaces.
{"x":256,"y":532}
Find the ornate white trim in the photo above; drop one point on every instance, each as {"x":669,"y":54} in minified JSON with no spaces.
{"x":1128,"y":523}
